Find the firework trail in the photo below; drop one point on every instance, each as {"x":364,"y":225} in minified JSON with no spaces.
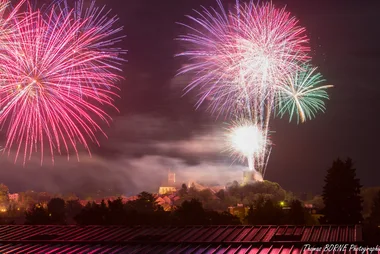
{"x":6,"y":23}
{"x":239,"y":60}
{"x":47,"y":95}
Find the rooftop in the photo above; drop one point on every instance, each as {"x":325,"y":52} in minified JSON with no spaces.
{"x":191,"y":239}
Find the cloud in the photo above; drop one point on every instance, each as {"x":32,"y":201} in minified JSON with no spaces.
{"x":143,"y":148}
{"x":128,"y":176}
{"x":204,"y":144}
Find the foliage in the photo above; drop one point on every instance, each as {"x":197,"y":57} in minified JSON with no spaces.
{"x":4,"y":192}
{"x":368,"y":195}
{"x":192,"y":213}
{"x":317,"y":202}
{"x":37,"y":215}
{"x":371,"y":229}
{"x":249,"y":194}
{"x":57,"y":211}
{"x":183,"y":191}
{"x":341,"y":194}
{"x":374,"y":217}
{"x":265,"y":212}
{"x":297,"y":214}
{"x":73,"y":208}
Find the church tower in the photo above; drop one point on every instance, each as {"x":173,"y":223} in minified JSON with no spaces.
{"x":171,"y":178}
{"x":169,"y":187}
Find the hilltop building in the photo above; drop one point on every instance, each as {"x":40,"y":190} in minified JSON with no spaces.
{"x":170,"y":186}
{"x":251,"y":176}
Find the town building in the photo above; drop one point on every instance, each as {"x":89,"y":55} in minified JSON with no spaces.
{"x":13,"y":197}
{"x":239,"y":211}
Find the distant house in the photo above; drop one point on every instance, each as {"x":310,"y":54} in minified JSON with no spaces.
{"x":13,"y":197}
{"x":239,"y":211}
{"x":165,"y":202}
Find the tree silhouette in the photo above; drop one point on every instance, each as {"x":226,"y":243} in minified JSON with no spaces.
{"x":37,"y":215}
{"x":371,"y":230}
{"x":183,"y":191}
{"x":73,"y":208}
{"x":145,"y":211}
{"x":190,"y":213}
{"x":265,"y":212}
{"x":145,"y":202}
{"x":297,"y":214}
{"x":223,"y":218}
{"x":374,"y":217}
{"x":56,"y":210}
{"x":250,"y":193}
{"x":368,"y":195}
{"x":116,"y":213}
{"x":4,"y":195}
{"x":221,"y":195}
{"x":341,"y":194}
{"x":92,"y":214}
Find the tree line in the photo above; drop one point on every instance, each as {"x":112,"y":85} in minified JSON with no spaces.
{"x":341,"y":198}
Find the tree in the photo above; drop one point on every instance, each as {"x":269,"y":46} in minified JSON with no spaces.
{"x":249,"y":193}
{"x":371,"y":229}
{"x":374,"y":217}
{"x":221,"y":195}
{"x":146,"y":211}
{"x":317,"y":202}
{"x":341,"y":194}
{"x":223,"y":218}
{"x":57,"y":211}
{"x":145,"y":203}
{"x":183,"y":191}
{"x":116,"y":213}
{"x":265,"y":212}
{"x":297,"y":214}
{"x":37,"y":215}
{"x":28,"y":199}
{"x":73,"y":208}
{"x":191,"y":213}
{"x":70,"y":196}
{"x":368,"y":194}
{"x":4,"y":195}
{"x":92,"y":214}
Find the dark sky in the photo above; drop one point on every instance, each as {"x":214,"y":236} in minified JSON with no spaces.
{"x":158,"y":129}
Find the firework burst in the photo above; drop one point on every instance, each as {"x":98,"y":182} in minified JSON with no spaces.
{"x":6,"y":22}
{"x":246,"y":141}
{"x":47,"y":92}
{"x":300,"y":96}
{"x":241,"y":54}
{"x":95,"y":39}
{"x":249,"y":61}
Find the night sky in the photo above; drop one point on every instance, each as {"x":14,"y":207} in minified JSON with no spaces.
{"x":158,"y":129}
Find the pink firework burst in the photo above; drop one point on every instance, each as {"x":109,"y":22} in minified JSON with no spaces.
{"x":97,"y":36}
{"x":240,"y":55}
{"x":47,"y":94}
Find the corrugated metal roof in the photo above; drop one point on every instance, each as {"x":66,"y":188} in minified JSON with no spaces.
{"x":185,"y":248}
{"x":190,"y":234}
{"x":155,"y":249}
{"x":190,"y":239}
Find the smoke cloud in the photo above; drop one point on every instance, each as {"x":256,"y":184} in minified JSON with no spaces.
{"x":136,"y":157}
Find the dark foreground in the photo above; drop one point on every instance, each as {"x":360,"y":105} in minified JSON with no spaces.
{"x":189,"y":239}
